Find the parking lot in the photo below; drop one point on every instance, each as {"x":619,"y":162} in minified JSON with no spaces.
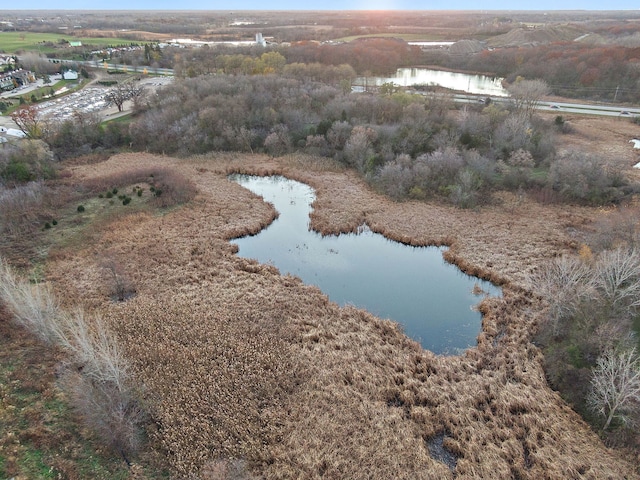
{"x":89,"y":99}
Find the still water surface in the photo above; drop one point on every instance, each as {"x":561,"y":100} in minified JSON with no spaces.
{"x":464,"y":82}
{"x":413,"y":286}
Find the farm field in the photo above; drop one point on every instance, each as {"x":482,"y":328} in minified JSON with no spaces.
{"x":12,"y":42}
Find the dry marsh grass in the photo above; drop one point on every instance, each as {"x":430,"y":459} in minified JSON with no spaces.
{"x":242,"y":364}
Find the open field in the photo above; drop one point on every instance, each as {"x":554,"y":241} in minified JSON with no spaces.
{"x":240,"y":362}
{"x":12,"y":42}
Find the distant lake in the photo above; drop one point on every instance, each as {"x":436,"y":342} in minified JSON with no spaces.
{"x":464,"y":82}
{"x":432,"y":299}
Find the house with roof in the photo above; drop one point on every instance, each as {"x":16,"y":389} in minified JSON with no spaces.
{"x":70,"y":75}
{"x":6,"y":82}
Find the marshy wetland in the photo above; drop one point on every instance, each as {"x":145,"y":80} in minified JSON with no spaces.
{"x":238,"y":361}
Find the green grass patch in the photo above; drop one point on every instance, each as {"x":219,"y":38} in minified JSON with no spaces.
{"x":539,"y":173}
{"x":11,"y":42}
{"x":121,"y":119}
{"x":33,"y":465}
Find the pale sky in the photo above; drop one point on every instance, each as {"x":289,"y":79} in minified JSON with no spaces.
{"x":483,"y":5}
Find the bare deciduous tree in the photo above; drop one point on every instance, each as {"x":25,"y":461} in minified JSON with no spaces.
{"x":561,"y":283}
{"x":122,"y":92}
{"x":358,"y":148}
{"x":618,"y":277}
{"x":30,"y":122}
{"x":615,"y":386}
{"x":526,"y":94}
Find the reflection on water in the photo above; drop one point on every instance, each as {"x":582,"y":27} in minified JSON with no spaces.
{"x":464,"y":82}
{"x":413,"y":286}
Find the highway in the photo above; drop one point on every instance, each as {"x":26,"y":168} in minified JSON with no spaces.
{"x":562,"y":107}
{"x":119,"y":67}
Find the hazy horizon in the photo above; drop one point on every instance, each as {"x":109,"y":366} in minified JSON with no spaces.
{"x":329,"y":5}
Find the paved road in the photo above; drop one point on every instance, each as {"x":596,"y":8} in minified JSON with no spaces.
{"x":120,"y":67}
{"x":563,"y":106}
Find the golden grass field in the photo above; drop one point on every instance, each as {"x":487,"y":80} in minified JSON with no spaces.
{"x":237,"y":361}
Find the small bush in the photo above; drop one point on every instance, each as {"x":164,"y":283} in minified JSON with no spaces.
{"x":126,"y":201}
{"x":586,"y":178}
{"x":47,"y":226}
{"x":17,"y":171}
{"x":54,"y":222}
{"x":114,"y":191}
{"x":109,"y":194}
{"x":80,"y":208}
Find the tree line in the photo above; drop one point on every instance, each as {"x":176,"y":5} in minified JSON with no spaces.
{"x":571,"y":69}
{"x":406,"y":145}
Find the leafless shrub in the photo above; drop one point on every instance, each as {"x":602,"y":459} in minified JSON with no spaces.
{"x":278,"y":142}
{"x":526,"y":94}
{"x":513,"y":133}
{"x":583,"y":177}
{"x":111,"y":413}
{"x":338,"y":135}
{"x":465,"y":192}
{"x":358,"y":148}
{"x":172,"y":188}
{"x":20,"y":207}
{"x":92,"y":347}
{"x":33,"y":306}
{"x":121,"y":286}
{"x":316,"y":145}
{"x":38,"y":63}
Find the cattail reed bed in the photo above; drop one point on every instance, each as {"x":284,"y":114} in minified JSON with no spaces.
{"x":239,"y":362}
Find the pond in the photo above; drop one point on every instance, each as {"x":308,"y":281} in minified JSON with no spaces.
{"x":463,"y":82}
{"x":432,"y":299}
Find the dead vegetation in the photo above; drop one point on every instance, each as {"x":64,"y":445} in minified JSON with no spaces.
{"x":252,"y":372}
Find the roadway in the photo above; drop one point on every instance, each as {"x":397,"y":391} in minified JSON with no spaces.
{"x":118,"y":67}
{"x":561,"y":107}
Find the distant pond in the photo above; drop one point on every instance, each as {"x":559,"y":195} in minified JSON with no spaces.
{"x":432,"y":299}
{"x":462,"y":82}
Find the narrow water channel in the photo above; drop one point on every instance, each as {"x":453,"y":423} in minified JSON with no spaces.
{"x":414,"y":286}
